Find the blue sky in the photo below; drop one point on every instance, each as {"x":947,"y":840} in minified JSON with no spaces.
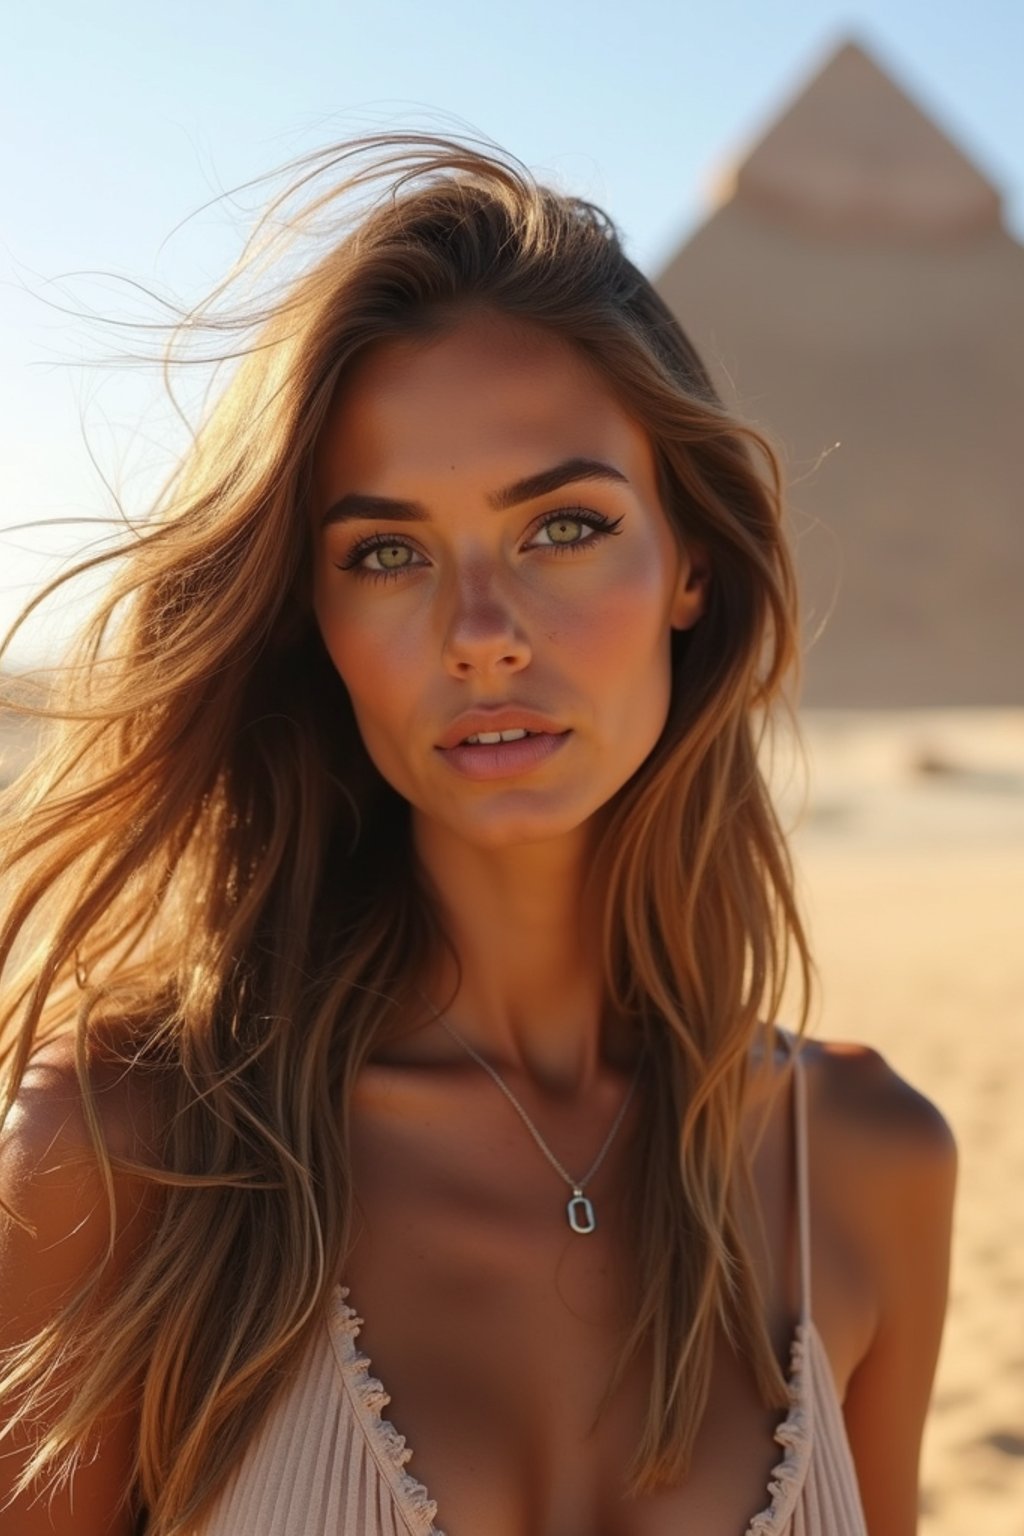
{"x":118,"y":121}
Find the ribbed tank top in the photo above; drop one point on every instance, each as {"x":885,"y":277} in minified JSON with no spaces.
{"x":326,"y":1463}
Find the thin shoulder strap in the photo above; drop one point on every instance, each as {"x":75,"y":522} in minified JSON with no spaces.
{"x":803,"y":1202}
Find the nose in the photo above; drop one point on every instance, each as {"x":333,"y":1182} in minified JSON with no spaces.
{"x":482,"y":632}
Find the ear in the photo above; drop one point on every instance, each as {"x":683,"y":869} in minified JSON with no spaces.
{"x":691,"y":594}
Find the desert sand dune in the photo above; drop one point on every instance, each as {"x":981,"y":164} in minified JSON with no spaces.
{"x":911,"y":857}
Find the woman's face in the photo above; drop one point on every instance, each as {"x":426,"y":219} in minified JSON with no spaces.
{"x":483,"y":589}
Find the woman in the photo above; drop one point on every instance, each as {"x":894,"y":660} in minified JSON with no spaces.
{"x":328,"y":999}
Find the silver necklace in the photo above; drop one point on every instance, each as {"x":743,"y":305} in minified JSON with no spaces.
{"x":579,"y":1209}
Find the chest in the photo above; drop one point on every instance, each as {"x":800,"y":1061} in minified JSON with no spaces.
{"x":495,"y":1328}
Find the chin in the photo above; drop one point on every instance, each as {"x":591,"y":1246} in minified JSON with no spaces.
{"x":497,"y":828}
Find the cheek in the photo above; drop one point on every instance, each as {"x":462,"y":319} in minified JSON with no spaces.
{"x":372,"y":680}
{"x":364,"y":665}
{"x":620,"y":648}
{"x":341,"y":637}
{"x":381,"y":669}
{"x":622,"y":623}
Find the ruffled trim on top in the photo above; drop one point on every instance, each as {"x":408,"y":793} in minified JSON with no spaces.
{"x":785,"y":1481}
{"x":370,"y":1396}
{"x":794,"y":1434}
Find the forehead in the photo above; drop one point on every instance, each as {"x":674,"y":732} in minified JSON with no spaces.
{"x":489,"y":396}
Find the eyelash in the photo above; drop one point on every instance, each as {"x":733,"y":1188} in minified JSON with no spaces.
{"x":602,"y":526}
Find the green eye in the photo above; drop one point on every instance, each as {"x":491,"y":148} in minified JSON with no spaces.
{"x":578,"y":517}
{"x":379,"y":545}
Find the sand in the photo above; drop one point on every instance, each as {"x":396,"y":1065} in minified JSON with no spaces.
{"x":910,"y":855}
{"x":911,"y":859}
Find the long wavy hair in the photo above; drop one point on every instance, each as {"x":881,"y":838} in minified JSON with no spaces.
{"x":196,"y":867}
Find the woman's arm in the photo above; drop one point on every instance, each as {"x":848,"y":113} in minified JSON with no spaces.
{"x":903,"y":1196}
{"x":49,"y":1174}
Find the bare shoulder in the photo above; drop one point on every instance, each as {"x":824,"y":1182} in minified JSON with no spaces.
{"x":857,"y":1097}
{"x":74,"y":1224}
{"x":885,"y":1166}
{"x":48,"y":1157}
{"x":883,"y":1163}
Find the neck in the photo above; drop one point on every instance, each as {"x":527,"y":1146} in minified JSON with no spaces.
{"x":525,"y":927}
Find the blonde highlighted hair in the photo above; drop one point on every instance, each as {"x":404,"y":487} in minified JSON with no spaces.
{"x":197,"y":869}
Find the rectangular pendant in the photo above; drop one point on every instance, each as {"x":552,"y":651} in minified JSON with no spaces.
{"x":581,"y":1214}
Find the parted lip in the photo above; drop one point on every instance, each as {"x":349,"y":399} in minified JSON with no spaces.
{"x":503,"y":717}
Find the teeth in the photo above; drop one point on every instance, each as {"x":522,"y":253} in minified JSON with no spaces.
{"x":488,"y":738}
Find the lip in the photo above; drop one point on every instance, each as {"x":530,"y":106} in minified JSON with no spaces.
{"x":504,"y":759}
{"x":502,"y":717}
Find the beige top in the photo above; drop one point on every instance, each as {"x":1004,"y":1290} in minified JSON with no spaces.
{"x":325,"y":1463}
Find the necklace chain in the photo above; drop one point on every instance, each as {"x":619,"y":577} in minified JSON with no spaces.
{"x":576,"y":1185}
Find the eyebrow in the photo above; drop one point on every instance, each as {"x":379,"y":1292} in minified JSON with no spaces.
{"x":358,"y":505}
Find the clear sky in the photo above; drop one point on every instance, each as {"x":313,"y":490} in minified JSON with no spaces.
{"x":118,"y":120}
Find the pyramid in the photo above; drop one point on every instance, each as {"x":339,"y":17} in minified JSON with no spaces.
{"x":856,"y":295}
